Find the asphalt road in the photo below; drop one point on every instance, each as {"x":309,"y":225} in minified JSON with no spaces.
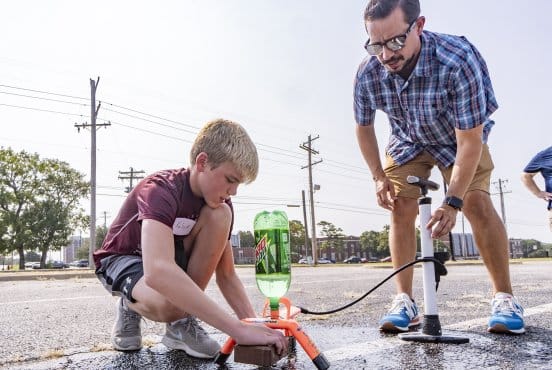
{"x":50,"y":322}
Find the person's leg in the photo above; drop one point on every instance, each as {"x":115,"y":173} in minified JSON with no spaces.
{"x":203,"y":249}
{"x":402,"y":240}
{"x":492,"y":242}
{"x":490,"y":236}
{"x":118,"y":274}
{"x":488,"y":230}
{"x":207,"y":242}
{"x":199,"y":256}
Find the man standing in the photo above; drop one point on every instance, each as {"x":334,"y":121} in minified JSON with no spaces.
{"x":541,"y":163}
{"x":437,"y":94}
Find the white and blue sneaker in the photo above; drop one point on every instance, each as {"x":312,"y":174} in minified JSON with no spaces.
{"x":506,"y":315}
{"x":402,"y":315}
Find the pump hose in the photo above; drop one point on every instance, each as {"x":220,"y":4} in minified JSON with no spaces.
{"x":440,"y":270}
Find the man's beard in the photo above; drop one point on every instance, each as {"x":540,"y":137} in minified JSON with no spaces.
{"x":407,"y":67}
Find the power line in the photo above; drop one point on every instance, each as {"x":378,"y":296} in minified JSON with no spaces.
{"x":41,"y":110}
{"x":41,"y":98}
{"x":262,"y":146}
{"x":152,"y":115}
{"x":148,"y":120}
{"x":43,"y":92}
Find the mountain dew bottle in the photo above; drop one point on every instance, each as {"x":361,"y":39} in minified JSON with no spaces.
{"x":272,"y":253}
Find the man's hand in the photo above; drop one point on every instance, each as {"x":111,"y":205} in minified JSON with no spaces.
{"x":545,"y":195}
{"x":444,"y":219}
{"x":385,"y":193}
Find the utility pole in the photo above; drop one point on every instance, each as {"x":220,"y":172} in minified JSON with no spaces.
{"x":501,"y":191}
{"x":93,"y":115}
{"x":105,"y":219}
{"x":451,"y":239}
{"x":308,"y":147}
{"x":305,"y":221}
{"x":131,"y":175}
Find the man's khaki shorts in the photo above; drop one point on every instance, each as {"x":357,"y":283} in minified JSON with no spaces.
{"x":550,"y":218}
{"x":421,"y":166}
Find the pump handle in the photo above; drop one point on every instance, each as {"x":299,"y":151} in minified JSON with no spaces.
{"x":418,"y":181}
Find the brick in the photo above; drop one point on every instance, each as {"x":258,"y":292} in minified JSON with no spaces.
{"x":257,"y":355}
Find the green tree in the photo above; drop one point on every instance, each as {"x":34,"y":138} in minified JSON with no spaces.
{"x":101,"y":233}
{"x":83,"y":250}
{"x":369,"y":241}
{"x":528,"y":246}
{"x":383,"y":242}
{"x":334,"y":237}
{"x":56,"y":212}
{"x":296,"y":236}
{"x":19,"y":188}
{"x":39,"y":202}
{"x":247,"y":240}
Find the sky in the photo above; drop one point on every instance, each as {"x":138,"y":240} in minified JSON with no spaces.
{"x":282,"y":69}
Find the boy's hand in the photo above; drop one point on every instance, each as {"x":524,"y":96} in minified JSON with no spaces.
{"x":260,"y":334}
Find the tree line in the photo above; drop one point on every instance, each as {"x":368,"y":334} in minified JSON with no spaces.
{"x":374,"y":243}
{"x":39,"y":204}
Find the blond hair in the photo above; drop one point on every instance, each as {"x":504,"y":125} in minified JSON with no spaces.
{"x":227,"y":141}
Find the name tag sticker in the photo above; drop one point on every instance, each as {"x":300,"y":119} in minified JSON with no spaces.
{"x":183,"y":226}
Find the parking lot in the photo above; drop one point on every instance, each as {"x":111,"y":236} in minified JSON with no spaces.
{"x":57,"y":323}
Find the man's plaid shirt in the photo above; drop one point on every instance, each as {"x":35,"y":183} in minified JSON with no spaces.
{"x":449,"y":88}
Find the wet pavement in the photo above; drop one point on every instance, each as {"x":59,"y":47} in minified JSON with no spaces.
{"x":55,"y":323}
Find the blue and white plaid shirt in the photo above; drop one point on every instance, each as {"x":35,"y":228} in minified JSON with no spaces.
{"x":449,"y":88}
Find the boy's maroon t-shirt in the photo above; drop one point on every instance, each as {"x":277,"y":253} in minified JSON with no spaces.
{"x":165,"y":196}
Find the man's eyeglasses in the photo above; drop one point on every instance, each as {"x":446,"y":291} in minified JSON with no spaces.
{"x":393,"y":44}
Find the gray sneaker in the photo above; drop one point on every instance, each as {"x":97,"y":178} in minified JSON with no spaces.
{"x":189,"y":336}
{"x":126,"y":334}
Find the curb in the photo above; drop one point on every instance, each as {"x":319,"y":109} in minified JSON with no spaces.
{"x":89,"y":273}
{"x":46,"y":275}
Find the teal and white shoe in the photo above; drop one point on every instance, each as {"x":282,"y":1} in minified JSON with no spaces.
{"x":506,"y":315}
{"x":402,"y":315}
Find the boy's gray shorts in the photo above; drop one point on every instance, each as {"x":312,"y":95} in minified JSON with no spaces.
{"x":120,"y":273}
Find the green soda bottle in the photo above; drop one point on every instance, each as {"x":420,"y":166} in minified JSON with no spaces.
{"x":272,"y":253}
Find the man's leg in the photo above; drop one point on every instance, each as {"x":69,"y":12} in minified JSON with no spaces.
{"x":490,"y":235}
{"x":492,"y":242}
{"x":402,"y":239}
{"x":402,"y":243}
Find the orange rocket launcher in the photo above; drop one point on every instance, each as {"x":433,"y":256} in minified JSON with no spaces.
{"x":282,"y":319}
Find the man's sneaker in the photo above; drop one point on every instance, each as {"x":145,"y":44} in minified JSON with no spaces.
{"x":506,"y":315}
{"x":402,"y":315}
{"x":126,"y":334}
{"x":187,"y":335}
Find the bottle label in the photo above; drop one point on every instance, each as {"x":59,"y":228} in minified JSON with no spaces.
{"x":260,"y":249}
